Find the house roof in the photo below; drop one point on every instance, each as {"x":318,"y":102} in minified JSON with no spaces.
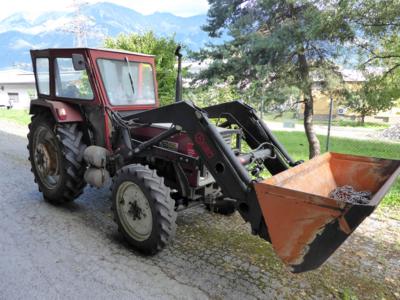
{"x":13,"y":76}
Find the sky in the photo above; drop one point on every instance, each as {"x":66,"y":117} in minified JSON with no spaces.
{"x":32,"y":9}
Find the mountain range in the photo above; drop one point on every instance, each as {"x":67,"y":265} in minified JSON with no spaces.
{"x":19,"y":34}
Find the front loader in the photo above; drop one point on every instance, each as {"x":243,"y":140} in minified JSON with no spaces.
{"x":97,"y":117}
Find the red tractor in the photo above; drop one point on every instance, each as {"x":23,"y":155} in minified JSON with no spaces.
{"x":97,"y":117}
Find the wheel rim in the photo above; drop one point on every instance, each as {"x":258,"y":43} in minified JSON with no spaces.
{"x":134,"y":211}
{"x":45,"y":156}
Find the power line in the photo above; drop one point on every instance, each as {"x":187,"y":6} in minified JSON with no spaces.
{"x":82,"y":26}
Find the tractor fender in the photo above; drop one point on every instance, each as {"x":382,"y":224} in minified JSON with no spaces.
{"x":61,"y":111}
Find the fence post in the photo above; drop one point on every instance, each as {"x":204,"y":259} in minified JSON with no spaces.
{"x":329,"y":124}
{"x":262,"y":109}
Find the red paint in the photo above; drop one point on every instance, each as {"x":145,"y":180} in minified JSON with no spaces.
{"x":62,"y":114}
{"x":200,"y":139}
{"x":190,"y":150}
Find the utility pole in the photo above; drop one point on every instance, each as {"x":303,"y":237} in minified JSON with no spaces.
{"x":262,"y":108}
{"x":81,"y":25}
{"x":328,"y":138}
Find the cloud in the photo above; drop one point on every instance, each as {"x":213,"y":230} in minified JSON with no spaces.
{"x":21,"y":44}
{"x":177,"y":7}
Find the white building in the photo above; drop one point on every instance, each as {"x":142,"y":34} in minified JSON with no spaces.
{"x":17,"y":88}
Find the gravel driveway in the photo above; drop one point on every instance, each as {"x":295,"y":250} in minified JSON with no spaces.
{"x":74,"y":251}
{"x":359,"y":133}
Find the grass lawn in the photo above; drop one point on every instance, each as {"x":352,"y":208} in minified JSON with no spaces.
{"x":296,"y":144}
{"x":16,"y":115}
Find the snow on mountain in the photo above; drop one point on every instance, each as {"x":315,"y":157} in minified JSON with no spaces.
{"x":19,"y":33}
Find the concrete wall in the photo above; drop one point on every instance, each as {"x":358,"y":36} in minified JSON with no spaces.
{"x":24,"y":90}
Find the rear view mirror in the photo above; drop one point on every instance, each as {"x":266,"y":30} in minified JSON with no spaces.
{"x":78,"y":61}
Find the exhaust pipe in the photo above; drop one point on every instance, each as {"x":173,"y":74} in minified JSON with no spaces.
{"x":178,"y":87}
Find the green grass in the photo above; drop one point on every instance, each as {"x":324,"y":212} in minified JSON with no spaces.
{"x":18,"y":116}
{"x":349,"y":123}
{"x":296,"y":144}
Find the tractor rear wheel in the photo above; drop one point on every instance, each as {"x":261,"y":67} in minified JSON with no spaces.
{"x":143,"y":208}
{"x":55,"y":152}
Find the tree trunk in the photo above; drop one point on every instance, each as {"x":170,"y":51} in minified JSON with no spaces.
{"x":313,"y":142}
{"x":362,"y":120}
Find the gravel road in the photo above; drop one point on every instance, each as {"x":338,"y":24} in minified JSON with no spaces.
{"x":74,"y":251}
{"x":358,"y":133}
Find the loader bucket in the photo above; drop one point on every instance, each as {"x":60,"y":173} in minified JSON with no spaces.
{"x":305,"y":225}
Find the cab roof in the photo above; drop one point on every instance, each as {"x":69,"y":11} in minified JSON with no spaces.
{"x":96,"y":49}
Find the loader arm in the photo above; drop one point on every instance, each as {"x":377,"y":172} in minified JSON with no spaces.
{"x":293,"y":210}
{"x":219,"y":159}
{"x":255,"y":130}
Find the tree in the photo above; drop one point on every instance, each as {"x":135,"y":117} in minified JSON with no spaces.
{"x":380,"y":20}
{"x":276,"y":44}
{"x":373,"y":97}
{"x":378,"y":93}
{"x":163,"y":48}
{"x":203,"y":95}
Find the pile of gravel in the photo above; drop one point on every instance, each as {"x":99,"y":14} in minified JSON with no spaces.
{"x":348,"y":194}
{"x":392,"y":133}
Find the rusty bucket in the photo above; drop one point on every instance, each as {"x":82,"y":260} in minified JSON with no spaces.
{"x":305,"y":225}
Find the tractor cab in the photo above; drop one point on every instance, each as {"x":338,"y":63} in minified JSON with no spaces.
{"x":84,"y":80}
{"x":127,"y":80}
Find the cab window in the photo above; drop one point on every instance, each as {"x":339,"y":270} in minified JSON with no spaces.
{"x":42,"y":75}
{"x":71,"y":83}
{"x":128,"y":82}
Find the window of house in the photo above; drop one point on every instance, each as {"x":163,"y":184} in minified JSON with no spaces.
{"x":42,"y":75}
{"x":71,"y":83}
{"x":13,"y":97}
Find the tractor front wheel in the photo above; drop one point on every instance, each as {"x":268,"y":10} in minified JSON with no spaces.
{"x":143,"y":208}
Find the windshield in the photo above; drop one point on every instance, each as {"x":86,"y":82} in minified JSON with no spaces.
{"x":127,"y":83}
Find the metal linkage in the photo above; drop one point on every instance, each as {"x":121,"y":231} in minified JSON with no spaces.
{"x":256,"y":132}
{"x":155,"y":140}
{"x":228,"y":172}
{"x":225,"y":167}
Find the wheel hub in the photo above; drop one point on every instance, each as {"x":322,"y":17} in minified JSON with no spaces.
{"x":45,"y":157}
{"x":134,"y":210}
